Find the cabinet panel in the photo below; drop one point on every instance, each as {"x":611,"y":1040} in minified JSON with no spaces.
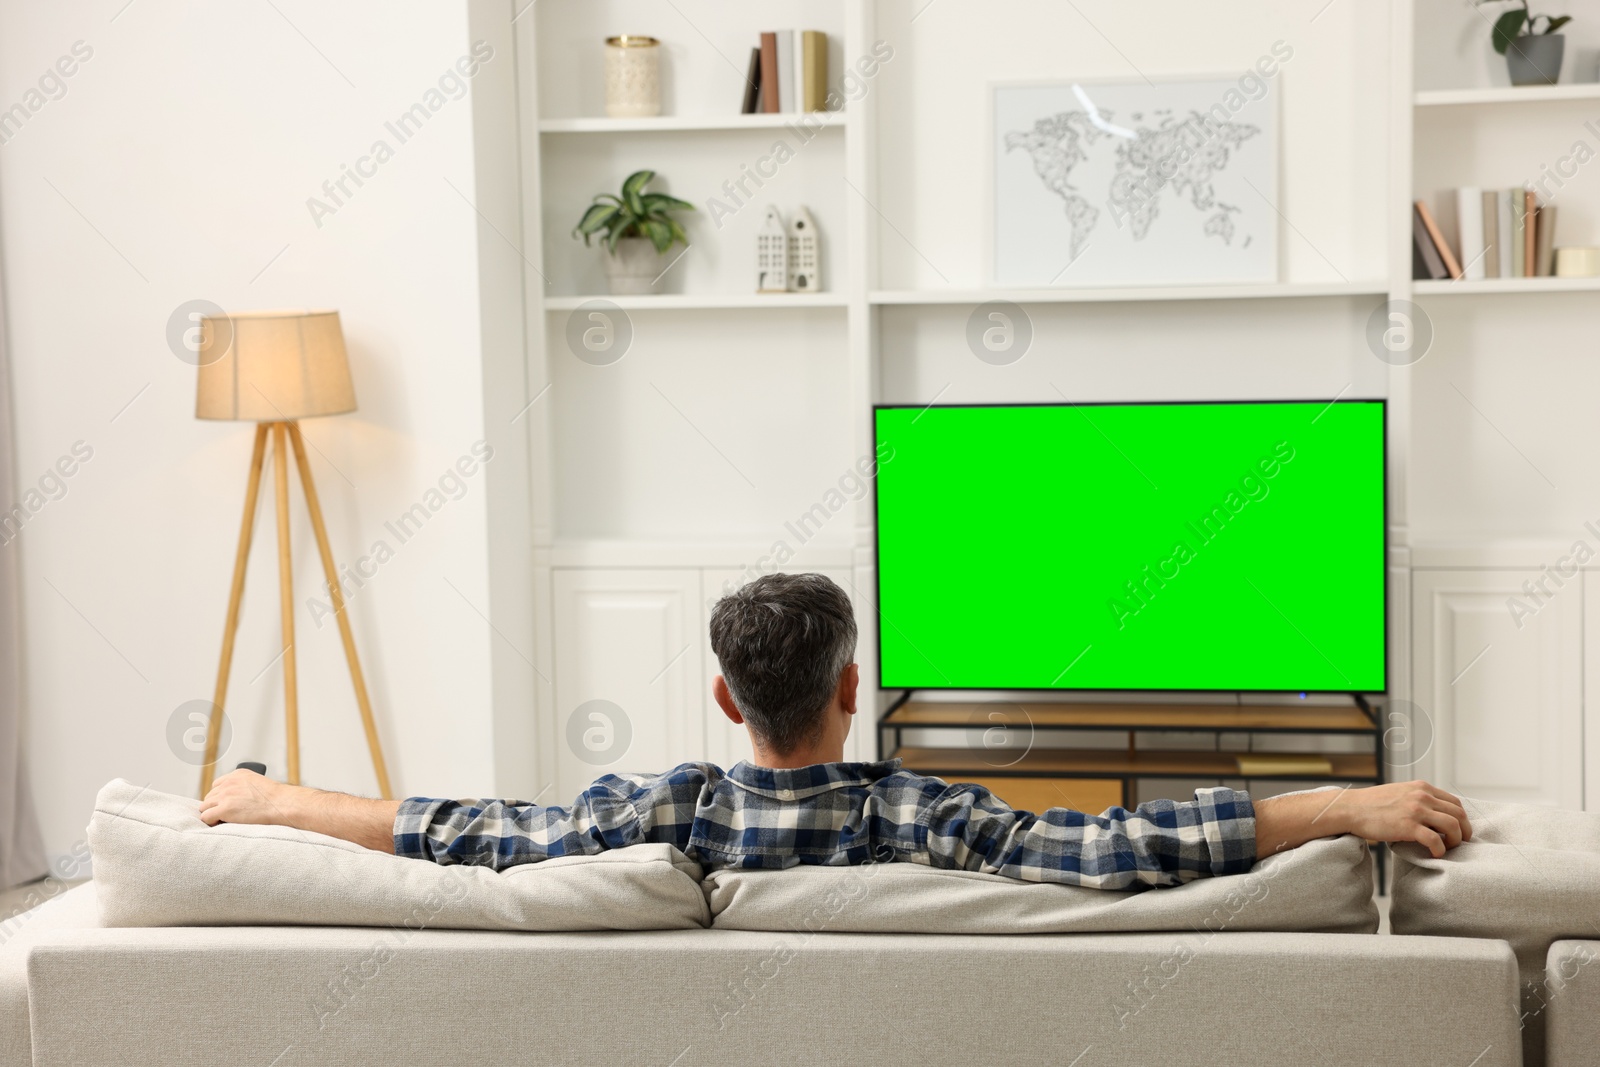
{"x":630,"y":638}
{"x":1591,"y":691}
{"x":1501,"y":692}
{"x":726,"y":744}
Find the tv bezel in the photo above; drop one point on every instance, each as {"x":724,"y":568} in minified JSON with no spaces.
{"x":877,"y":541}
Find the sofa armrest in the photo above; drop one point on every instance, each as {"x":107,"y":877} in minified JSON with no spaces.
{"x":1569,"y":998}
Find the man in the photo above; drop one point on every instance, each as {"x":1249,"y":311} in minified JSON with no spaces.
{"x":786,"y":645}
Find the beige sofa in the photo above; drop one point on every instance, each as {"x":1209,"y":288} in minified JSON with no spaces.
{"x":75,"y":993}
{"x":265,"y":945}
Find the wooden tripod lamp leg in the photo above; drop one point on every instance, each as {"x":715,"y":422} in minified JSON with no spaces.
{"x":230,"y":628}
{"x":291,"y":698}
{"x":337,"y":595}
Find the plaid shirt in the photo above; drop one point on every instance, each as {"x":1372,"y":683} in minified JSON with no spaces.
{"x":843,"y":813}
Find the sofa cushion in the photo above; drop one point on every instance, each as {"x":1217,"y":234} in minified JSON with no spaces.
{"x":1325,"y":886}
{"x":1530,"y":876}
{"x":362,"y":998}
{"x":157,"y":864}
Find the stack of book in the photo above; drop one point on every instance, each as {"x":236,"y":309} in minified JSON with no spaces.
{"x":788,"y":73}
{"x":1500,"y":233}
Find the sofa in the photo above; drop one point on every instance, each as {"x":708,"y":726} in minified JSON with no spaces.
{"x":323,"y":961}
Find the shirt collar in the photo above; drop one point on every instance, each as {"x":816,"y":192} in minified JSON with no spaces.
{"x":799,"y":782}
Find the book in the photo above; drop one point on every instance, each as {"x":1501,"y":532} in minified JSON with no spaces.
{"x":1469,"y":231}
{"x":1502,"y":214}
{"x":799,"y":68}
{"x":1490,"y":203}
{"x":814,"y":97}
{"x":769,"y":72}
{"x":1530,"y":213}
{"x":786,"y":95}
{"x":1543,"y":242}
{"x":752,"y":84}
{"x":1262,"y":764}
{"x":1518,"y":222}
{"x":1450,"y":263}
{"x":1425,"y":260}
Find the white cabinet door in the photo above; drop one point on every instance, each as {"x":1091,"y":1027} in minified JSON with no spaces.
{"x":1503,"y":690}
{"x":628,"y":673}
{"x":727,"y":744}
{"x":1591,"y":695}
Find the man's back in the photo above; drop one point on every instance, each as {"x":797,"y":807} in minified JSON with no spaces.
{"x":840,"y":814}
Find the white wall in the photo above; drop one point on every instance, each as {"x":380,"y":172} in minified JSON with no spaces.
{"x":177,"y":166}
{"x":932,"y":153}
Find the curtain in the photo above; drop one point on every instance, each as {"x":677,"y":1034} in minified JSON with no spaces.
{"x":21,"y":847}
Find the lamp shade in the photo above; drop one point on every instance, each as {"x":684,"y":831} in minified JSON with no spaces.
{"x":265,"y":366}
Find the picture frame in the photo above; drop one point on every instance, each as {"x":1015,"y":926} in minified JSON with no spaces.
{"x":1070,"y":207}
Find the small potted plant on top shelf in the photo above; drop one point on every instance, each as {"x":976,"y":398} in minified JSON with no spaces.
{"x":637,"y":229}
{"x":1533,"y":53}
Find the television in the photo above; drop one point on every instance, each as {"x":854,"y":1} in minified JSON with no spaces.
{"x":1198,"y":546}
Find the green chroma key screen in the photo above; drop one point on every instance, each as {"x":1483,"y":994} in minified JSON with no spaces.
{"x":1229,"y":546}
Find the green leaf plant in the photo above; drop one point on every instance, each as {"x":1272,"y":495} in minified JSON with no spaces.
{"x":635,"y":213}
{"x":1521,"y":22}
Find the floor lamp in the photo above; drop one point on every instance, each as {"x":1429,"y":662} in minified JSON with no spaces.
{"x":274,"y":368}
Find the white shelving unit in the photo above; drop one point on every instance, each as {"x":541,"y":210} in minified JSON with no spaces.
{"x":663,"y":476}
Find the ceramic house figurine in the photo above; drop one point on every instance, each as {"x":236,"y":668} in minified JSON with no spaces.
{"x":805,"y":254}
{"x":772,"y":255}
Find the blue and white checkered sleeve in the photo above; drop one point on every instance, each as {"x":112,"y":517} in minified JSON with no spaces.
{"x":504,"y":833}
{"x":1160,"y":843}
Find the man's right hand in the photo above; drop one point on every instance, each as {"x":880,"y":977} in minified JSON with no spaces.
{"x":1399,"y":811}
{"x":1406,"y":811}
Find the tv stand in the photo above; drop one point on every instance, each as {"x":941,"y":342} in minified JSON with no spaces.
{"x":1015,"y":748}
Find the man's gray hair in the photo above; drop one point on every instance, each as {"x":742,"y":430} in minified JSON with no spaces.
{"x":783,"y":640}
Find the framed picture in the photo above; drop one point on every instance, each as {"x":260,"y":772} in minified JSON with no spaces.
{"x":1128,"y":182}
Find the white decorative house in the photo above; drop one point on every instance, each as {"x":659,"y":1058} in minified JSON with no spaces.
{"x":772,"y":255}
{"x":805,"y":254}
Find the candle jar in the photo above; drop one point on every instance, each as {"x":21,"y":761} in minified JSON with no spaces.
{"x":633,"y":77}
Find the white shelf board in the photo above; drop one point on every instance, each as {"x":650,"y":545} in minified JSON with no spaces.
{"x":672,"y":123}
{"x":1447,"y":287}
{"x":600,"y":552}
{"x":1132,"y":293}
{"x":696,"y":301}
{"x":1514,"y":94}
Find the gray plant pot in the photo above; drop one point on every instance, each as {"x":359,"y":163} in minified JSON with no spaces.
{"x":633,"y":269}
{"x":1535,"y":60}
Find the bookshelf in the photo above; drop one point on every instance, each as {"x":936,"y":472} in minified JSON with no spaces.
{"x":734,"y":412}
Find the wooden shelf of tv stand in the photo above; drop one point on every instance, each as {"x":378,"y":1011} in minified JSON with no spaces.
{"x":1299,"y":719}
{"x":1117,"y":763}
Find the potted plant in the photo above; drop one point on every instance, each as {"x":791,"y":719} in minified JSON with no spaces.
{"x":637,"y":229}
{"x":1533,"y":53}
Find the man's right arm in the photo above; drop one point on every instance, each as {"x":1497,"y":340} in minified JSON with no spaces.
{"x":1398,"y":811}
{"x":613,"y":813}
{"x":247,"y":797}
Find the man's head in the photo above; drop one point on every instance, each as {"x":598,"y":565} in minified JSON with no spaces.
{"x":787,"y":645}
